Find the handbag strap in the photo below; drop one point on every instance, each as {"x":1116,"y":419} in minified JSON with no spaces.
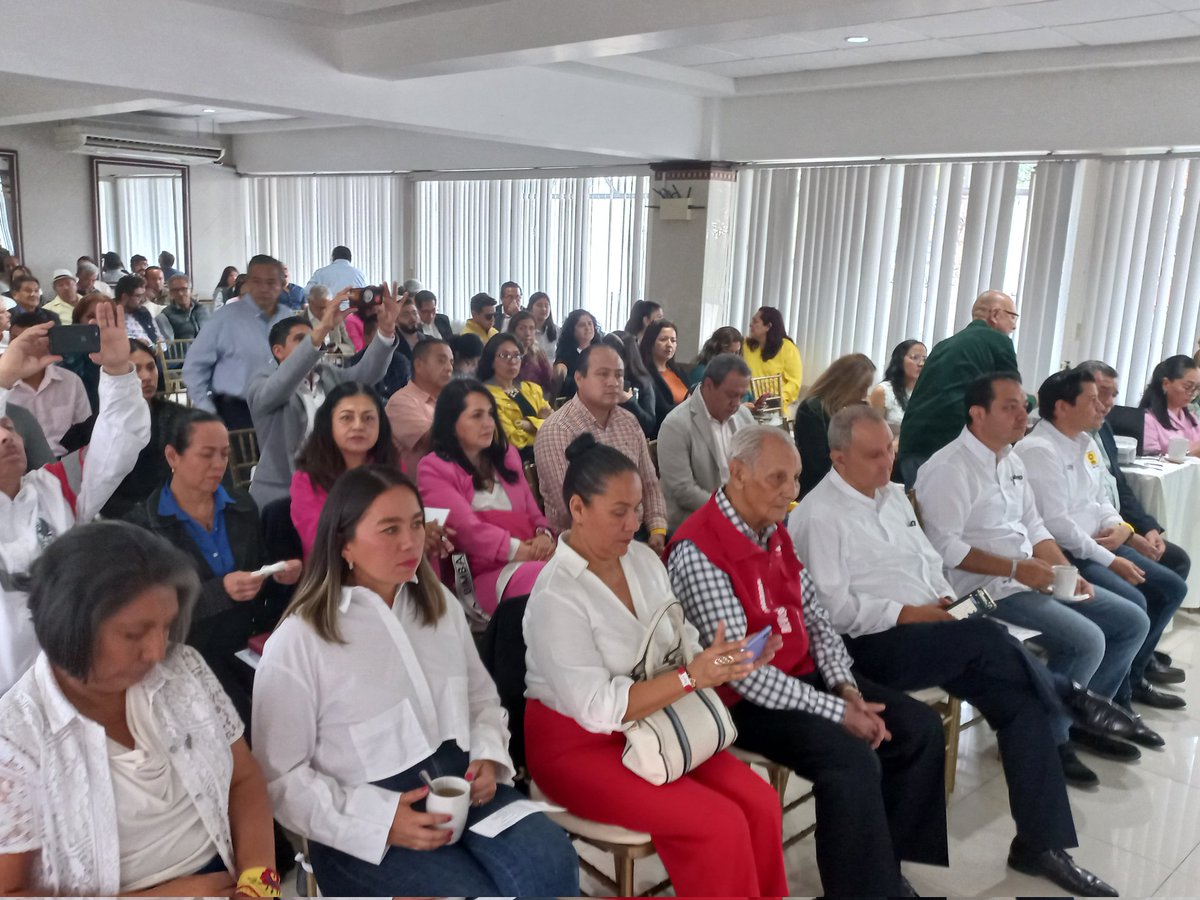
{"x":523,"y":404}
{"x":673,"y":611}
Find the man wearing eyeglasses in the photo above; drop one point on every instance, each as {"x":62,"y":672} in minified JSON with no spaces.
{"x":934,"y":416}
{"x":483,"y":317}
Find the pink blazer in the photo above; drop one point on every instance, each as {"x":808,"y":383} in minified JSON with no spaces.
{"x":482,"y":536}
{"x":307,"y":502}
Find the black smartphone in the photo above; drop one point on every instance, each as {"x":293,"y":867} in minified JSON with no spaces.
{"x":66,"y":340}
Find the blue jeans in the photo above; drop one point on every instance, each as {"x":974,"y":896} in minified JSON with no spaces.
{"x":1159,"y":596}
{"x":1091,"y":642}
{"x":532,"y":858}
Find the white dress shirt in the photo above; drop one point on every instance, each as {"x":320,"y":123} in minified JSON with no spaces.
{"x":1066,"y":476}
{"x":722,"y":433}
{"x":973,"y":498}
{"x":40,"y":511}
{"x":58,"y":801}
{"x":329,"y":719}
{"x":868,"y":557}
{"x":582,"y":643}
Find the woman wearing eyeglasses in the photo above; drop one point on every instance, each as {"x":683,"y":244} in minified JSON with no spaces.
{"x":890,"y":396}
{"x":520,"y":403}
{"x":1172,"y":386}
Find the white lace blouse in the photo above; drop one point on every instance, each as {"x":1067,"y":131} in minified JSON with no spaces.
{"x":56,"y":791}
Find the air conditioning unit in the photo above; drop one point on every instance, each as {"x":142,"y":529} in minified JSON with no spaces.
{"x":161,"y":147}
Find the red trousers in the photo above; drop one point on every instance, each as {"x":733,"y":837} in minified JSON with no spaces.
{"x":718,"y":829}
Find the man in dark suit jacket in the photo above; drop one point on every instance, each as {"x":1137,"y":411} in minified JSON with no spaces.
{"x":431,"y":320}
{"x":1147,"y":538}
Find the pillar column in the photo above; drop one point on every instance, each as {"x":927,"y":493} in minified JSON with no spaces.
{"x":689,"y":246}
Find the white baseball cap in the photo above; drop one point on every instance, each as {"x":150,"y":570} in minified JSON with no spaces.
{"x":61,"y":273}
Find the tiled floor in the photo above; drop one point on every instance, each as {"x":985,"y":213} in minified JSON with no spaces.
{"x":1140,"y":830}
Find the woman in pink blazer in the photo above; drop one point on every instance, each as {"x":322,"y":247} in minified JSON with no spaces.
{"x":476,"y":474}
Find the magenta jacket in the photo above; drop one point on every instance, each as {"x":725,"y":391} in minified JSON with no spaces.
{"x":482,"y":536}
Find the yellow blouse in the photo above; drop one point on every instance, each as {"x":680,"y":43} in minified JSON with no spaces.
{"x":786,"y":363}
{"x":510,"y":412}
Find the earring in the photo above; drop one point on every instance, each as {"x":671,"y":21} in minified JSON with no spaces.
{"x":350,"y":563}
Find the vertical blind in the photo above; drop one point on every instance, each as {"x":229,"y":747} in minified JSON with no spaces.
{"x":581,"y":240}
{"x":858,"y":258}
{"x":299,"y":219}
{"x":1143,"y":273}
{"x":142,"y":214}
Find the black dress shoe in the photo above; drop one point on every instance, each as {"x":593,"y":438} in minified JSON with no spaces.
{"x":1145,"y":735}
{"x":1093,"y":713}
{"x":1074,"y":771}
{"x":1148,"y":695}
{"x":1164,"y":658}
{"x":1103,"y":745}
{"x":1058,"y":866}
{"x":1161,"y":673}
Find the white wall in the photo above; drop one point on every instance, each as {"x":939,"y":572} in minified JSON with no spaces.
{"x":57,"y":214}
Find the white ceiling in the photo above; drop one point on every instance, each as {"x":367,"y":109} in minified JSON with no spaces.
{"x":993,"y":28}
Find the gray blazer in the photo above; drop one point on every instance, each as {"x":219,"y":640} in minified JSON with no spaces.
{"x":278,"y":411}
{"x":687,"y":460}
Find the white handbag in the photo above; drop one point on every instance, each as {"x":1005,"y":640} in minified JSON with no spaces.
{"x":671,"y":742}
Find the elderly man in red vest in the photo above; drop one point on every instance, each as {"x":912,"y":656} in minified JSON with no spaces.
{"x":875,"y":755}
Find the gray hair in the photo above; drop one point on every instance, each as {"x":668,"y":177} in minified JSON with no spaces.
{"x":747,"y":443}
{"x":319,"y":291}
{"x":1096,"y":367}
{"x":841,"y":426}
{"x":179,"y":275}
{"x":87,"y":267}
{"x":722,"y":365}
{"x":70,"y":595}
{"x":412,"y":285}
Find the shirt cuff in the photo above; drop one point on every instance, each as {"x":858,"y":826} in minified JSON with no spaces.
{"x":513,"y":546}
{"x":956,"y":551}
{"x":1100,"y":555}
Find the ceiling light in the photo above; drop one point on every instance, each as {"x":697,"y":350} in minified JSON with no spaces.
{"x":857,"y":39}
{"x":208,"y":109}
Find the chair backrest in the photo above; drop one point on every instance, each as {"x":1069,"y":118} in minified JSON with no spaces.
{"x":531,"y":477}
{"x":768,"y":384}
{"x":653,"y":446}
{"x":1129,"y":421}
{"x":243,"y":455}
{"x":170,"y":360}
{"x":502,"y":650}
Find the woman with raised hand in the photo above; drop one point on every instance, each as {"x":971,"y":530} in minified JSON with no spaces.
{"x":476,"y":473}
{"x":123,"y":769}
{"x":372,"y":678}
{"x":716,"y":828}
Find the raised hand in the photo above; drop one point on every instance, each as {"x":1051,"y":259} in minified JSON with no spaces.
{"x":389,"y":311}
{"x":29,"y":353}
{"x":114,"y":342}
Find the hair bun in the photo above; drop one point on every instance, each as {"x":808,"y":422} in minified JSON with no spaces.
{"x":581,"y":445}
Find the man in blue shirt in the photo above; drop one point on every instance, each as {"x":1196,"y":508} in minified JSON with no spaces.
{"x":233,"y":345}
{"x":293,"y":295}
{"x":338,"y":274}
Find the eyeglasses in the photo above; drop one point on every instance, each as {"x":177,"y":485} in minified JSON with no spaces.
{"x":510,"y":357}
{"x":1015,"y":315}
{"x":918,"y":358}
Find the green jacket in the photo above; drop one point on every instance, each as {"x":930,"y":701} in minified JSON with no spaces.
{"x":935,"y":413}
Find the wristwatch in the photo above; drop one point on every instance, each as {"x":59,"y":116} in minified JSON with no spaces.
{"x":688,"y":682}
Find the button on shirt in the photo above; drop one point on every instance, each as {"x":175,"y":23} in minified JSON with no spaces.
{"x":867,"y":556}
{"x":232,"y":347}
{"x":970,"y":498}
{"x":214,"y":545}
{"x":1066,"y":475}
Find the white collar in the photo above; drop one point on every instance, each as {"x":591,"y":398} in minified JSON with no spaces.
{"x":842,"y":486}
{"x":366,"y":595}
{"x":982,"y":451}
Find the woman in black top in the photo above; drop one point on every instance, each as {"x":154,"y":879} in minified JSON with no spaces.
{"x":579,"y":331}
{"x":843,"y":384}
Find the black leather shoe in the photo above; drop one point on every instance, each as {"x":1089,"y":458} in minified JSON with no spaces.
{"x":1058,"y":866}
{"x":1164,"y":658}
{"x":1161,"y":673}
{"x":1145,"y":735}
{"x":1148,"y":695}
{"x":1103,"y":745}
{"x":1074,"y":771}
{"x":1093,"y":713}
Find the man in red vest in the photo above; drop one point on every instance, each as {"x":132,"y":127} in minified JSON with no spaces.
{"x":874,"y":755}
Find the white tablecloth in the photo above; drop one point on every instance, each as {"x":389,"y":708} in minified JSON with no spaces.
{"x":1171,"y":493}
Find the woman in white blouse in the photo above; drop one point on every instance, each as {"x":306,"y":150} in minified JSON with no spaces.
{"x":716,"y":829}
{"x":370,"y":678}
{"x":890,"y":396}
{"x":122,"y":763}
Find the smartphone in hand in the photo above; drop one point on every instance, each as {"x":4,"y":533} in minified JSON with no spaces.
{"x":758,"y":643}
{"x":66,"y":340}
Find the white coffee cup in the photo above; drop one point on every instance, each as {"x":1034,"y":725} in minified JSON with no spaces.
{"x":1066,"y":579}
{"x":1177,"y":449}
{"x":450,"y":796}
